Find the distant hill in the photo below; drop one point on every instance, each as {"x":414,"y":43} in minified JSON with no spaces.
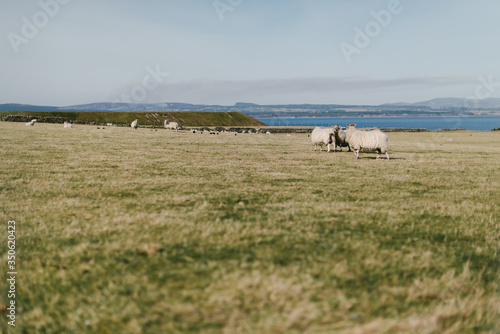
{"x":184,"y":118}
{"x":25,"y":107}
{"x":434,"y":107}
{"x":451,"y":102}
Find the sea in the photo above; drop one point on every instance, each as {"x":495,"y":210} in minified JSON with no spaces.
{"x":479,"y":123}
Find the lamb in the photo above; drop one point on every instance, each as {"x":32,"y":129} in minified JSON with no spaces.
{"x":322,"y":136}
{"x":374,"y":140}
{"x":68,"y":125}
{"x":340,"y":138}
{"x":171,"y":125}
{"x":134,"y":124}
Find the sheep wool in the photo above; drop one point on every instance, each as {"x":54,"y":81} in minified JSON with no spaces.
{"x":134,"y":124}
{"x":322,"y":136}
{"x":340,"y":138}
{"x":374,"y":140}
{"x":171,"y":125}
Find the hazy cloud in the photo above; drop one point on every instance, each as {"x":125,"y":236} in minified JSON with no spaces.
{"x":321,"y":90}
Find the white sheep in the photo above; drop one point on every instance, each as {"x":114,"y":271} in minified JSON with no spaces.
{"x":340,"y":138}
{"x":134,"y":124}
{"x":68,"y":125}
{"x":322,"y":136}
{"x":171,"y":125}
{"x":31,"y":123}
{"x":374,"y":140}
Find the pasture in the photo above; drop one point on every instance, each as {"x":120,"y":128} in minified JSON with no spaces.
{"x":122,"y":231}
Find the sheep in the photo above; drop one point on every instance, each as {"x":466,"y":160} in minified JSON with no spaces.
{"x":374,"y":140}
{"x":68,"y":125}
{"x":171,"y":125}
{"x":322,"y":136}
{"x":31,"y":123}
{"x":134,"y":124}
{"x":340,"y":138}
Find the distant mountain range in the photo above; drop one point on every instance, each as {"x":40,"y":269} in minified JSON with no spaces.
{"x":450,"y":102}
{"x":440,"y":106}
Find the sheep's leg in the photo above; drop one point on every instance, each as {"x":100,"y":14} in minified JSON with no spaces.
{"x":315,"y":147}
{"x":328,"y":146}
{"x":387,"y":154}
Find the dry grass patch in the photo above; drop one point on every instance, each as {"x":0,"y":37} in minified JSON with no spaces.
{"x":123,"y":231}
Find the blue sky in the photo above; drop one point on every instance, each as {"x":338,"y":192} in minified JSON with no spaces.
{"x":267,"y":52}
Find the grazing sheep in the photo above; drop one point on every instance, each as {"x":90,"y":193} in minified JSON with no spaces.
{"x":322,"y":136}
{"x":171,"y":125}
{"x":374,"y":140}
{"x":134,"y":124}
{"x":68,"y":125}
{"x":32,"y":123}
{"x":340,"y":138}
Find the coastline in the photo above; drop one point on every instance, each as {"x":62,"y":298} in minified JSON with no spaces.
{"x":431,"y":123}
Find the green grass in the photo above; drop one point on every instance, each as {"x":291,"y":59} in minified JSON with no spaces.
{"x":184,"y":118}
{"x":123,"y":231}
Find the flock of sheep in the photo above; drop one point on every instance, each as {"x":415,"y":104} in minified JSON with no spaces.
{"x":166,"y":125}
{"x":372,"y":140}
{"x":350,"y":137}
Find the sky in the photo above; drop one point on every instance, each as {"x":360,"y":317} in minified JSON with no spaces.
{"x":68,"y":52}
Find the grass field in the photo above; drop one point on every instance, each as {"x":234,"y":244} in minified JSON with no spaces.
{"x":122,"y":231}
